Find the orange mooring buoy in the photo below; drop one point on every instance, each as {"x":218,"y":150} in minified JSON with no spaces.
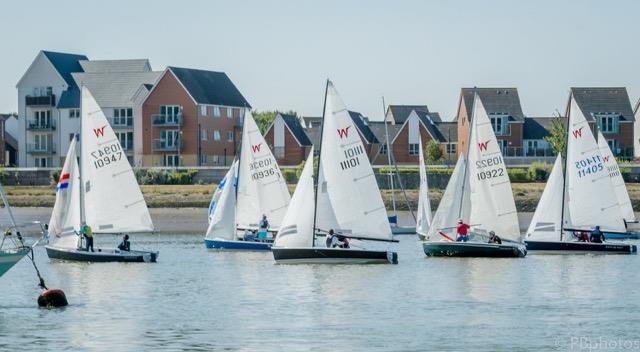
{"x":52,"y":298}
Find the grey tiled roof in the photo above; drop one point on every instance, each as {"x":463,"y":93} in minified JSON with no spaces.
{"x":115,"y":89}
{"x":361,"y":123}
{"x":430,"y":124}
{"x":495,"y":101}
{"x":295,"y":127}
{"x":209,"y":87}
{"x":401,"y":112}
{"x":104,"y":66}
{"x":593,"y":100}
{"x":536,"y":127}
{"x":449,"y":131}
{"x":378,"y":129}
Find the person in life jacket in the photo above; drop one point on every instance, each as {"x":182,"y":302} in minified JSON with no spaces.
{"x":125,"y":245}
{"x":493,"y":238}
{"x":332,"y":239}
{"x":263,"y":226}
{"x":596,"y":235}
{"x":86,"y":231}
{"x":463,"y":231}
{"x":343,"y":242}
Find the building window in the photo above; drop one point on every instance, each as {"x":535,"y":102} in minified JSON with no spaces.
{"x":170,"y":113}
{"x":383,"y":149}
{"x":229,"y":113}
{"x":122,"y":117}
{"x":608,"y":122}
{"x":413,"y":148}
{"x":203,"y":134}
{"x":42,"y":118}
{"x":126,"y":140}
{"x":497,"y":124}
{"x":42,"y":162}
{"x":203,"y":110}
{"x":503,"y":146}
{"x":203,"y":159}
{"x":613,"y":145}
{"x":229,"y":136}
{"x":451,"y":148}
{"x":171,"y":160}
{"x":74,"y":113}
{"x":43,"y":142}
{"x":216,"y":135}
{"x":168,"y":138}
{"x":216,"y":111}
{"x":215,"y":159}
{"x":42,"y":91}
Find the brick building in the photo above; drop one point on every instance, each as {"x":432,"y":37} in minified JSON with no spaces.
{"x":191,"y":117}
{"x":287,"y":139}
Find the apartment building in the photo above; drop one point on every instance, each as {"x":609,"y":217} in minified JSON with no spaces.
{"x":287,"y":139}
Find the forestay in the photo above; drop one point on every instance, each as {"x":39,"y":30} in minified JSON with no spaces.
{"x":545,"y":224}
{"x":296,"y":229}
{"x":448,"y":212}
{"x":423,"y":220}
{"x":65,"y":217}
{"x":591,"y":199}
{"x":492,"y":203}
{"x":261,"y":187}
{"x":610,"y":163}
{"x":113,"y":201}
{"x":347,"y":176}
{"x":222,"y":210}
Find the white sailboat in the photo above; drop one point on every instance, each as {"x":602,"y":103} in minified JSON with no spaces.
{"x":578,"y":200}
{"x":485,"y":200}
{"x":101,"y":192}
{"x":260,"y":190}
{"x":12,"y":247}
{"x":423,"y":219}
{"x":347,"y":199}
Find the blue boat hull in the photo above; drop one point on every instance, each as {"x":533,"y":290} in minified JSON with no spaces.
{"x":237,"y":245}
{"x":622,"y":236}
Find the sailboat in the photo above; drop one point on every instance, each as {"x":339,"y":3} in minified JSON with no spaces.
{"x":253,"y":187}
{"x":578,"y":200}
{"x":423,"y":220}
{"x":626,"y":207}
{"x":12,"y":247}
{"x":479,"y":193}
{"x":346,"y":199}
{"x":100,"y":191}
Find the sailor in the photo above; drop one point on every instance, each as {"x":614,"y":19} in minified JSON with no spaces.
{"x":596,"y":235}
{"x":343,"y":242}
{"x":263,"y":227}
{"x":249,"y":235}
{"x":493,"y":238}
{"x":125,"y":245}
{"x":332,"y":240}
{"x":582,"y":236}
{"x":86,"y":231}
{"x":463,"y":231}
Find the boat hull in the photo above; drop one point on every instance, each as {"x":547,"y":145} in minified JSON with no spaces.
{"x":557,"y":247}
{"x":622,"y":236}
{"x":474,"y":249}
{"x":221,"y":244}
{"x":102,"y":255}
{"x":332,"y":256}
{"x":9,"y":258}
{"x":403,"y":230}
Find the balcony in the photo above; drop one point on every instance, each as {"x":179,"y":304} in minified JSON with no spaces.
{"x":166,"y":120}
{"x":121,"y":123}
{"x":47,"y":100}
{"x":47,"y":148}
{"x":37,"y":125}
{"x":160,"y":145}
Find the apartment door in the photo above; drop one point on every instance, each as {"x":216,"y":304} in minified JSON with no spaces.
{"x":42,"y":142}
{"x":171,"y":113}
{"x":42,"y":118}
{"x":169,"y":138}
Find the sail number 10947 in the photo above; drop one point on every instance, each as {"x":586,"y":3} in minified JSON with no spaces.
{"x":106,"y":155}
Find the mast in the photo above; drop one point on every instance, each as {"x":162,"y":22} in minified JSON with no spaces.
{"x":466,"y":159}
{"x":80,"y":173}
{"x":386,"y":133}
{"x":564,"y":169}
{"x":317,"y":176}
{"x":237,"y":174}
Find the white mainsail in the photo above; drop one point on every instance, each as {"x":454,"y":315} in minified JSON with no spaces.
{"x":65,"y":217}
{"x":545,"y":223}
{"x":423,"y":220}
{"x":261,"y":187}
{"x":348,"y":178}
{"x":619,"y":186}
{"x":296,"y":229}
{"x":113,"y":201}
{"x":492,"y":203}
{"x":222,"y":210}
{"x":591,"y":199}
{"x":446,"y":217}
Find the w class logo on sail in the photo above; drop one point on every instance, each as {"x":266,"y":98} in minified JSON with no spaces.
{"x":483,"y":145}
{"x":99,"y":132}
{"x":343,"y":132}
{"x":577,"y":133}
{"x":256,"y":148}
{"x":63,"y":182}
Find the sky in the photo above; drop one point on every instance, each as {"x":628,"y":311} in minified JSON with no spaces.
{"x":280,"y":53}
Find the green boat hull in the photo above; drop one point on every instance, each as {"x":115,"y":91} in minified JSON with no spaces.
{"x":9,"y":258}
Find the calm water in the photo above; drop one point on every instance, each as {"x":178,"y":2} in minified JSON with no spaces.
{"x":193,"y":299}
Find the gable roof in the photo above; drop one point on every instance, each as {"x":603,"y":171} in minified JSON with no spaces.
{"x":448,"y":131}
{"x":361,"y":123}
{"x":293,"y":123}
{"x":536,"y":127}
{"x":209,"y":87}
{"x":429,"y":124}
{"x":65,"y":64}
{"x":106,"y":66}
{"x":378,"y":129}
{"x":401,"y":112}
{"x":495,"y":101}
{"x":593,"y":100}
{"x":115,"y":89}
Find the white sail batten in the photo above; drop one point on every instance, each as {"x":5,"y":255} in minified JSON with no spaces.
{"x":545,"y":223}
{"x":223,"y":208}
{"x":261,"y":187}
{"x":348,"y":178}
{"x":296,"y":229}
{"x":493,"y":206}
{"x":423,"y":219}
{"x":446,"y":216}
{"x":610,"y":163}
{"x":65,"y":217}
{"x":591,"y":198}
{"x":113,"y":200}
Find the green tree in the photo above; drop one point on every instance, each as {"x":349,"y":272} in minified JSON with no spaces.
{"x":557,"y":137}
{"x":433,"y":152}
{"x":316,"y":160}
{"x":264,"y":119}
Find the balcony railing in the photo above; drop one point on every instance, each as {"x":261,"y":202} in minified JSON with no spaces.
{"x":46,"y":100}
{"x":36,"y":125}
{"x":47,"y":148}
{"x":160,"y":145}
{"x":121,"y":122}
{"x":167,"y":120}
